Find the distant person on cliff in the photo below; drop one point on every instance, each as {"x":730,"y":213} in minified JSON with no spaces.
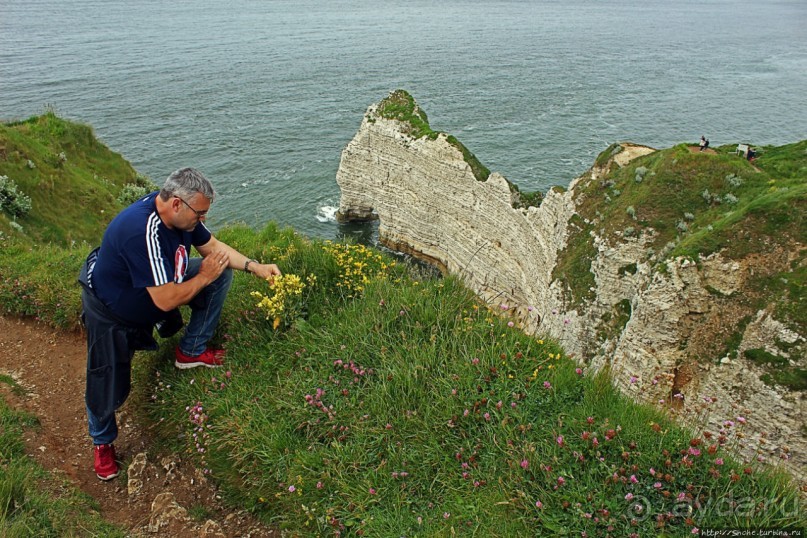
{"x":704,"y":143}
{"x":137,"y":280}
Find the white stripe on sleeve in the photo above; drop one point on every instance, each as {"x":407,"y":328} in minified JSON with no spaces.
{"x":154,"y":251}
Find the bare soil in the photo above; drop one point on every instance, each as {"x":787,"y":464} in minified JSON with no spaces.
{"x":697,"y":149}
{"x":50,"y":365}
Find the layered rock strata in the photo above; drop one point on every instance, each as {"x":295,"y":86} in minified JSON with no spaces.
{"x":429,"y":204}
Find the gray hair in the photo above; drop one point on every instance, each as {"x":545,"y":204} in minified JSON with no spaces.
{"x":185,"y":183}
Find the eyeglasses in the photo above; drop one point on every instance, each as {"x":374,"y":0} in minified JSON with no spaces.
{"x":199,"y":214}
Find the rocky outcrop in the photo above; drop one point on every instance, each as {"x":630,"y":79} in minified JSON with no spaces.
{"x":650,"y":327}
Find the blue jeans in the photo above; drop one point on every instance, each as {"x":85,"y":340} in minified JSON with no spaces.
{"x":205,"y":313}
{"x":102,"y":432}
{"x":205,"y":310}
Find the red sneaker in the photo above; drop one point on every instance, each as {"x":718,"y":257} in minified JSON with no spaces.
{"x":210,"y":358}
{"x":106,"y":468}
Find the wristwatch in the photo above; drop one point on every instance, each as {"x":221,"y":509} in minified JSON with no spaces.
{"x":246,"y":264}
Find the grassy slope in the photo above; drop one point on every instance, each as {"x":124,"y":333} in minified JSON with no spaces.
{"x":407,"y":374}
{"x":73,"y":197}
{"x":412,"y":409}
{"x":698,"y":204}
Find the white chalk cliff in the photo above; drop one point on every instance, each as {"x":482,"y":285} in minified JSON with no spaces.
{"x":429,"y":203}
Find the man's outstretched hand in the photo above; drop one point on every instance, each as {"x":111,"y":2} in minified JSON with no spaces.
{"x":267,"y":271}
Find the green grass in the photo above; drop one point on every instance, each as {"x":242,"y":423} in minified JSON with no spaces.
{"x":32,"y":503}
{"x":411,"y":409}
{"x":573,"y":267}
{"x":725,"y":203}
{"x":41,"y":282}
{"x":73,"y":180}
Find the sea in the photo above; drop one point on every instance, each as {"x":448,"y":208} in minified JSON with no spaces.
{"x":263,"y":95}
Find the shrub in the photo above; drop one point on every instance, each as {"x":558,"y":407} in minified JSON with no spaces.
{"x":711,"y":198}
{"x":130,"y":193}
{"x":734,"y":180}
{"x":15,"y":202}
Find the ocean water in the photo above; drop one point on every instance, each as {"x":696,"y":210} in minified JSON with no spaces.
{"x":263,"y":95}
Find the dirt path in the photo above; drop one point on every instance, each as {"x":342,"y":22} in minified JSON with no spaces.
{"x":50,"y":366}
{"x":697,"y":149}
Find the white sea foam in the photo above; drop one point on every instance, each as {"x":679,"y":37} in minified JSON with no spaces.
{"x":327,"y":213}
